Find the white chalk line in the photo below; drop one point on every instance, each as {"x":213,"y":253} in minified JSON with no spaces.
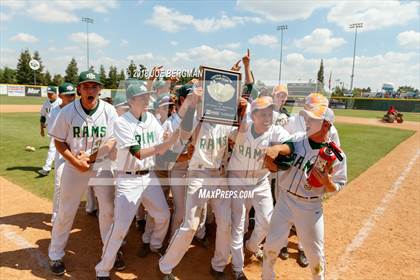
{"x":22,"y":243}
{"x":369,"y":224}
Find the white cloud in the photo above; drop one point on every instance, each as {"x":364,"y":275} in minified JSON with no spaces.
{"x":24,"y":37}
{"x":174,"y":43}
{"x":171,"y":20}
{"x":319,"y":41}
{"x":123,"y":43}
{"x":94,"y":39}
{"x":373,"y":14}
{"x":58,"y":11}
{"x":232,"y":46}
{"x":264,"y":40}
{"x":280,"y":11}
{"x":410,"y":39}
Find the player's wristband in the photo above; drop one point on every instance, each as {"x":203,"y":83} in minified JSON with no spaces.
{"x":134,"y":149}
{"x":188,"y":120}
{"x":43,"y":119}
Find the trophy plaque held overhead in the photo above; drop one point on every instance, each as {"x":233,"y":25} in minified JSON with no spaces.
{"x":221,"y":94}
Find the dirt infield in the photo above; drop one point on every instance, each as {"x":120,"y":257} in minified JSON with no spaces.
{"x":19,"y":108}
{"x":371,"y":230}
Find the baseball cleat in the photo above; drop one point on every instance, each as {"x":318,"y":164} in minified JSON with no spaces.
{"x":140,"y":224}
{"x":239,"y":275}
{"x":43,"y":172}
{"x":284,"y":254}
{"x":57,"y":267}
{"x":161,"y":251}
{"x":217,"y":274}
{"x":93,"y":213}
{"x":144,"y":250}
{"x":203,"y":242}
{"x":169,"y":276}
{"x":302,"y":260}
{"x":119,"y":263}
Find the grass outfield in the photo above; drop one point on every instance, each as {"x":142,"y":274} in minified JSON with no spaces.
{"x":408,"y":116}
{"x":364,"y":145}
{"x":24,"y":100}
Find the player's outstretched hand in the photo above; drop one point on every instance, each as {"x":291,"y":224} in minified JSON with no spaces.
{"x":236,"y":66}
{"x":247,"y":58}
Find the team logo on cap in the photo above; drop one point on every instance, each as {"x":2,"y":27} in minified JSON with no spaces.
{"x":91,"y":76}
{"x":69,"y":87}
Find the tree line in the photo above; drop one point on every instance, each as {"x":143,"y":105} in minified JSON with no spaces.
{"x":23,"y":74}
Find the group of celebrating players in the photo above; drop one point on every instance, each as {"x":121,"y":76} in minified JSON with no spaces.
{"x":149,"y":157}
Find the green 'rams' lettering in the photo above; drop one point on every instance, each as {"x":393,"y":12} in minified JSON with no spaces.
{"x":76,"y":131}
{"x":89,"y":131}
{"x":147,"y":138}
{"x":299,"y":162}
{"x":248,"y":152}
{"x":212,"y":143}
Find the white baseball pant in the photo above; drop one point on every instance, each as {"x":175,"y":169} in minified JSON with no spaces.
{"x":50,"y":156}
{"x":180,"y":242}
{"x":73,"y":185}
{"x":131,"y":190}
{"x":277,"y":192}
{"x":178,"y":190}
{"x":58,"y":170}
{"x":307,"y":216}
{"x":262,"y":201}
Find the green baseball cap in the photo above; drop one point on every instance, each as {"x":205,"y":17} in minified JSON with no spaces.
{"x":119,"y":99}
{"x":89,"y":76}
{"x":184,"y":90}
{"x":51,"y":89}
{"x":67,"y":89}
{"x":136,"y":89}
{"x":159,"y":84}
{"x":164,"y":100}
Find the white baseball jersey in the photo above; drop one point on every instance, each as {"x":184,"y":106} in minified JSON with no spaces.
{"x":279,"y":118}
{"x":248,"y":153}
{"x":210,"y":145}
{"x":294,"y":179}
{"x":53,"y":115}
{"x":48,"y":106}
{"x":129,"y":131}
{"x":82,"y":132}
{"x":297,"y":123}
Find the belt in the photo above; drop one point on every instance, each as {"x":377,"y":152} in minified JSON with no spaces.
{"x":138,"y":172}
{"x":304,"y":197}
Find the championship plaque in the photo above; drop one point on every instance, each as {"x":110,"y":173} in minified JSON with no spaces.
{"x":221,"y":94}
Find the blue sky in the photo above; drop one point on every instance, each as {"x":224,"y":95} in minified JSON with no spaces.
{"x":186,"y":34}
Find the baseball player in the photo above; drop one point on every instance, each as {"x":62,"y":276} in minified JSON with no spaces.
{"x":66,"y":93}
{"x":300,"y":203}
{"x":281,"y":114}
{"x":247,"y":172}
{"x":178,"y":171}
{"x":210,"y":146}
{"x":139,"y":139}
{"x":52,"y":102}
{"x":293,"y":125}
{"x":83,"y":133}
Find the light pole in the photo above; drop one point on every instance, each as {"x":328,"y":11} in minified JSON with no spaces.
{"x":281,"y":28}
{"x":355,"y":26}
{"x":87,"y":20}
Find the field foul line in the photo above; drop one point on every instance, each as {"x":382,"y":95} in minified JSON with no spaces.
{"x":23,"y":244}
{"x":369,"y":224}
